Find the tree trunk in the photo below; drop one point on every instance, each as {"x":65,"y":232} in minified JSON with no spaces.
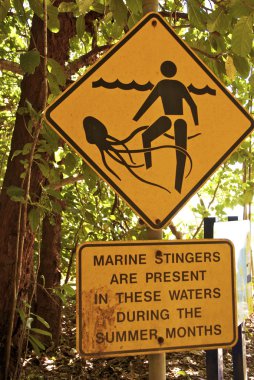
{"x":31,"y":89}
{"x":47,"y":304}
{"x":150,"y":6}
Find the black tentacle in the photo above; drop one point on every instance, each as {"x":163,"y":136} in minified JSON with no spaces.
{"x":143,"y":150}
{"x":106,"y":165}
{"x":137,"y":176}
{"x":120,"y":161}
{"x":118,"y":142}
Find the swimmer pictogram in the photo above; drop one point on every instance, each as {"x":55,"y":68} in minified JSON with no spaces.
{"x":172,"y":94}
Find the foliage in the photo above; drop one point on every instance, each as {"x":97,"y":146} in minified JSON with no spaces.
{"x":220,"y":32}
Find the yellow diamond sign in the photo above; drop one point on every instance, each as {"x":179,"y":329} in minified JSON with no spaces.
{"x":151,"y":119}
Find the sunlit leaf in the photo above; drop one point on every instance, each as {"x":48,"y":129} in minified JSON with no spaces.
{"x":84,"y":5}
{"x":53,"y":21}
{"x":67,"y":7}
{"x":56,"y":69}
{"x":230,"y":68}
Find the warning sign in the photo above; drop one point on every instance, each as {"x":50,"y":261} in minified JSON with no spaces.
{"x":151,"y":119}
{"x":155,"y":296}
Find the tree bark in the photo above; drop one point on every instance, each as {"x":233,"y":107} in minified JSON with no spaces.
{"x":150,"y":6}
{"x":31,"y":90}
{"x":47,"y":304}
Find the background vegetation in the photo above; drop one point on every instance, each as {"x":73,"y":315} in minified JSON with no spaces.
{"x":50,"y":200}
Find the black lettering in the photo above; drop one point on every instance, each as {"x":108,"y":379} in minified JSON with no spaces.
{"x":99,"y":338}
{"x":100,"y":298}
{"x":216,"y":257}
{"x":217,"y":330}
{"x":171,"y":333}
{"x":216,"y":292}
{"x":124,"y":278}
{"x":98,"y":260}
{"x":207,"y":293}
{"x":133,"y":335}
{"x":198,"y":257}
{"x":207,"y":257}
{"x":189,"y":257}
{"x":176,"y":276}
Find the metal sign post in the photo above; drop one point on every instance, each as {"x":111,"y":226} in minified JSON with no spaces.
{"x":157,"y":362}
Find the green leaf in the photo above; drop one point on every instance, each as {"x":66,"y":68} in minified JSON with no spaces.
{"x":42,"y":320}
{"x":44,"y":168}
{"x":22,"y":315}
{"x":68,"y":290}
{"x":251,"y":81}
{"x":15,"y":193}
{"x":219,"y":21}
{"x":239,"y":8}
{"x":70,"y":163}
{"x":80,"y":26}
{"x":36,"y":343}
{"x":54,"y":193}
{"x":120,"y":11}
{"x":29,"y":61}
{"x":196,"y":15}
{"x":97,"y":7}
{"x":57,"y":70}
{"x":89,"y":217}
{"x":18,"y":5}
{"x":53,"y":21}
{"x":135,"y":6}
{"x":230,"y":68}
{"x":242,"y":37}
{"x":27,"y":148}
{"x":34,"y":218}
{"x":84,"y":5}
{"x":53,"y":84}
{"x":36,"y":6}
{"x":67,"y":7}
{"x":4,"y":7}
{"x":242,"y":66}
{"x":42,"y":332}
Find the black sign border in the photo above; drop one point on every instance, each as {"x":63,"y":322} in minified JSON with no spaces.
{"x":153,"y":224}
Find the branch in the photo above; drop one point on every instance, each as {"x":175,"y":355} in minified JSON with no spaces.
{"x":212,"y":56}
{"x":11,"y":66}
{"x":66,"y":181}
{"x":86,"y":60}
{"x":174,"y":231}
{"x":175,"y":15}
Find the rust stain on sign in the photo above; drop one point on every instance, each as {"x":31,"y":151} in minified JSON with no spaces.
{"x":97,"y":316}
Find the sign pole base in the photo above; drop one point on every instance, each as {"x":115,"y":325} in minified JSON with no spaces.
{"x":157,"y":366}
{"x":157,"y":362}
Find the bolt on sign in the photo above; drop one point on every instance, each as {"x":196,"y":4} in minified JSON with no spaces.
{"x":151,"y":119}
{"x":155,"y":296}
